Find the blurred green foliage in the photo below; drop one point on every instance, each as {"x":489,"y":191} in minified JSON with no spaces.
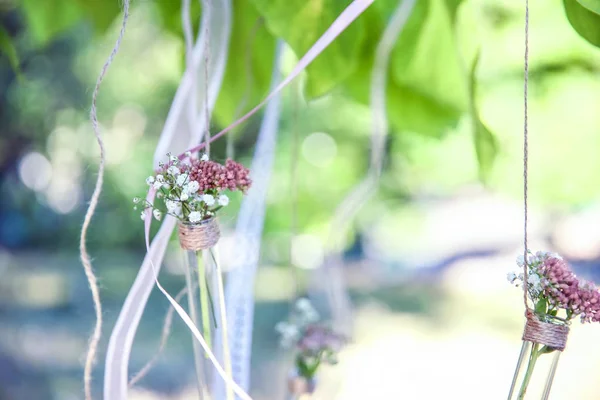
{"x":444,"y":100}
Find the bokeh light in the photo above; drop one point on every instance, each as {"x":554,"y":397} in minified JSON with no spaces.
{"x":35,"y":171}
{"x":319,"y":149}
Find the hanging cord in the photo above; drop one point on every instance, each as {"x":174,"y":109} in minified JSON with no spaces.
{"x":206,"y":4}
{"x":84,"y":255}
{"x":186,"y":23}
{"x":230,"y":145}
{"x":525,"y":158}
{"x":166,"y":332}
{"x":552,"y":335}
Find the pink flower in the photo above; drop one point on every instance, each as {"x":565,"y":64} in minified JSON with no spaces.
{"x":317,"y":338}
{"x":211,"y":175}
{"x":564,"y":290}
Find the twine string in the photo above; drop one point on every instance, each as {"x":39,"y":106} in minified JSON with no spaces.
{"x":525,"y":160}
{"x":200,"y":236}
{"x":546,"y":333}
{"x":553,"y":335}
{"x":206,"y":4}
{"x":84,"y":255}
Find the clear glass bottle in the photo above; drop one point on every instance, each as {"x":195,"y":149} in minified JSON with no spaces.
{"x":537,"y":365}
{"x":300,"y":387}
{"x":195,"y":312}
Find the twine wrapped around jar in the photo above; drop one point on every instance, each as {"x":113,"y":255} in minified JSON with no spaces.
{"x":199,"y":236}
{"x":299,"y":385}
{"x":553,"y":335}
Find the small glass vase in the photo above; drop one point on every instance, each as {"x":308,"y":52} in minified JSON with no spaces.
{"x":300,"y":387}
{"x":543,"y":343}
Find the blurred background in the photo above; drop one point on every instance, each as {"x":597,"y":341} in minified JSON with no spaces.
{"x":426,"y":258}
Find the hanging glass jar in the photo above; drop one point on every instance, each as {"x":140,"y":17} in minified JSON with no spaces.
{"x":300,"y":387}
{"x":194,"y":238}
{"x":544,"y":339}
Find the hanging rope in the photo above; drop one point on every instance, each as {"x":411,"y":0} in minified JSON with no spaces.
{"x":84,"y":255}
{"x":537,"y":331}
{"x":525,"y":157}
{"x":206,"y":4}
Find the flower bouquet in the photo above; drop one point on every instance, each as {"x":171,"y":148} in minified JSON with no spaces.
{"x":558,"y":297}
{"x":315,"y":344}
{"x":193,"y":190}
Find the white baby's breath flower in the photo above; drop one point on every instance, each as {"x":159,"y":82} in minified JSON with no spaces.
{"x":157,"y":184}
{"x":166,"y":186}
{"x":174,"y":159}
{"x":143,"y":215}
{"x":149,"y":180}
{"x":307,"y":313}
{"x":511,"y":277}
{"x":188,"y":154}
{"x":209,"y":199}
{"x":184,"y":196}
{"x":136,"y":200}
{"x":173,"y":207}
{"x":534,"y":281}
{"x":204,"y":157}
{"x":181,"y":179}
{"x":554,"y":255}
{"x":193,"y":187}
{"x":223,"y":200}
{"x":195,"y":216}
{"x":157,"y":214}
{"x":160,"y":178}
{"x":303,"y":304}
{"x":289,"y":333}
{"x":173,"y":170}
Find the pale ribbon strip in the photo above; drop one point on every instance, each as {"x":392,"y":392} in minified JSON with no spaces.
{"x":180,"y":133}
{"x":353,"y":11}
{"x":239,"y":293}
{"x":175,"y":131}
{"x":186,"y":318}
{"x":339,"y":302}
{"x":339,"y":25}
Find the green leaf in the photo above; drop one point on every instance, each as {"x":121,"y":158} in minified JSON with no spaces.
{"x":486,"y":146}
{"x":541,"y":306}
{"x":100,"y":13}
{"x":300,"y":23}
{"x":426,"y":58}
{"x":592,"y":5}
{"x":584,"y":19}
{"x":546,"y":350}
{"x":8,"y":49}
{"x":249,"y":65}
{"x":48,"y":18}
{"x":423,"y":96}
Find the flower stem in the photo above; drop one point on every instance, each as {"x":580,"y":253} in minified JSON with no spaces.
{"x":204,"y":301}
{"x":530,"y":366}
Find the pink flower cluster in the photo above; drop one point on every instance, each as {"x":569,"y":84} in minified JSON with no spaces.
{"x":563,"y":289}
{"x":317,"y":338}
{"x":212,"y":175}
